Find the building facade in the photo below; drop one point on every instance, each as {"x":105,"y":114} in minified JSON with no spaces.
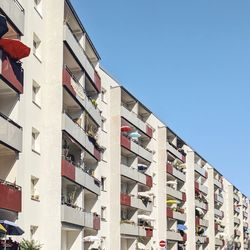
{"x":85,"y":165}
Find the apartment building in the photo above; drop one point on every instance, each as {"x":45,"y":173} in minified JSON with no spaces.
{"x":85,"y":165}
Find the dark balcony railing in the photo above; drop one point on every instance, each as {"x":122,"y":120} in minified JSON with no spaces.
{"x":11,"y":196}
{"x":12,"y":72}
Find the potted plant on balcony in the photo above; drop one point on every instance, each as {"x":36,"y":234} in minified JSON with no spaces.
{"x":30,"y":245}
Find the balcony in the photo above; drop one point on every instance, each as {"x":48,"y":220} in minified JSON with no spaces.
{"x":218,"y":183}
{"x":237,"y":233}
{"x":202,"y":239}
{"x":11,"y":196}
{"x":176,"y":194}
{"x":77,"y":216}
{"x":219,"y":242}
{"x":76,"y":89}
{"x":245,"y":224}
{"x":200,"y":170}
{"x":72,"y":215}
{"x":78,"y":175}
{"x":92,"y":221}
{"x":15,"y":12}
{"x":173,"y":150}
{"x":201,"y":222}
{"x":236,"y":209}
{"x":201,"y":188}
{"x":11,"y":72}
{"x":10,"y":133}
{"x":218,"y":198}
{"x":175,"y":172}
{"x":219,"y":213}
{"x":81,"y":57}
{"x":137,"y":203}
{"x":136,"y":149}
{"x":219,"y":228}
{"x":79,"y":135}
{"x":201,"y":205}
{"x":174,"y":236}
{"x":236,"y":197}
{"x":236,"y":221}
{"x":135,"y":175}
{"x":135,"y":230}
{"x":133,"y":118}
{"x":180,"y":216}
{"x":245,"y":214}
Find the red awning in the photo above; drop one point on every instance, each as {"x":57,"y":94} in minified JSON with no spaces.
{"x":14,"y":48}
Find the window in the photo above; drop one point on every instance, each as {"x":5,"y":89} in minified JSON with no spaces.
{"x":37,"y":47}
{"x":103,"y":213}
{"x":35,"y":143}
{"x":103,"y":183}
{"x":103,"y":95}
{"x":38,"y":7}
{"x":33,"y":230}
{"x":34,"y":193}
{"x":36,"y":95}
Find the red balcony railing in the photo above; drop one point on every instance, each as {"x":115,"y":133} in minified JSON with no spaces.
{"x":149,"y":181}
{"x":125,"y":142}
{"x":98,"y":83}
{"x":125,"y":200}
{"x":11,"y":196}
{"x":67,"y":81}
{"x":12,"y":72}
{"x":170,"y":213}
{"x":149,"y":232}
{"x":68,"y":170}
{"x":149,"y":131}
{"x":96,"y":222}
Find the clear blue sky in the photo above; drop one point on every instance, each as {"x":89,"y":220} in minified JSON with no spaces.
{"x":189,"y":62}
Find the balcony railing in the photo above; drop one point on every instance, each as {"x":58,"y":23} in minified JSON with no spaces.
{"x":10,"y":133}
{"x":171,"y":169}
{"x":136,"y":121}
{"x":131,"y":228}
{"x":80,"y":53}
{"x":14,"y":11}
{"x":136,"y":148}
{"x":11,"y":72}
{"x":80,"y":175}
{"x":81,"y":136}
{"x":11,"y":196}
{"x":178,"y":152}
{"x":76,"y":89}
{"x":136,"y":175}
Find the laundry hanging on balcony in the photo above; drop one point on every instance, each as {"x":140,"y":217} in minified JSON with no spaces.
{"x":3,"y":25}
{"x":14,"y":48}
{"x":181,"y":227}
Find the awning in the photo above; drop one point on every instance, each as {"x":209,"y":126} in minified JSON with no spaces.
{"x":3,"y":26}
{"x":14,"y":48}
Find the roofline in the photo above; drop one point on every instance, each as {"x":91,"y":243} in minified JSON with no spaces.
{"x":82,"y":27}
{"x":167,"y":127}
